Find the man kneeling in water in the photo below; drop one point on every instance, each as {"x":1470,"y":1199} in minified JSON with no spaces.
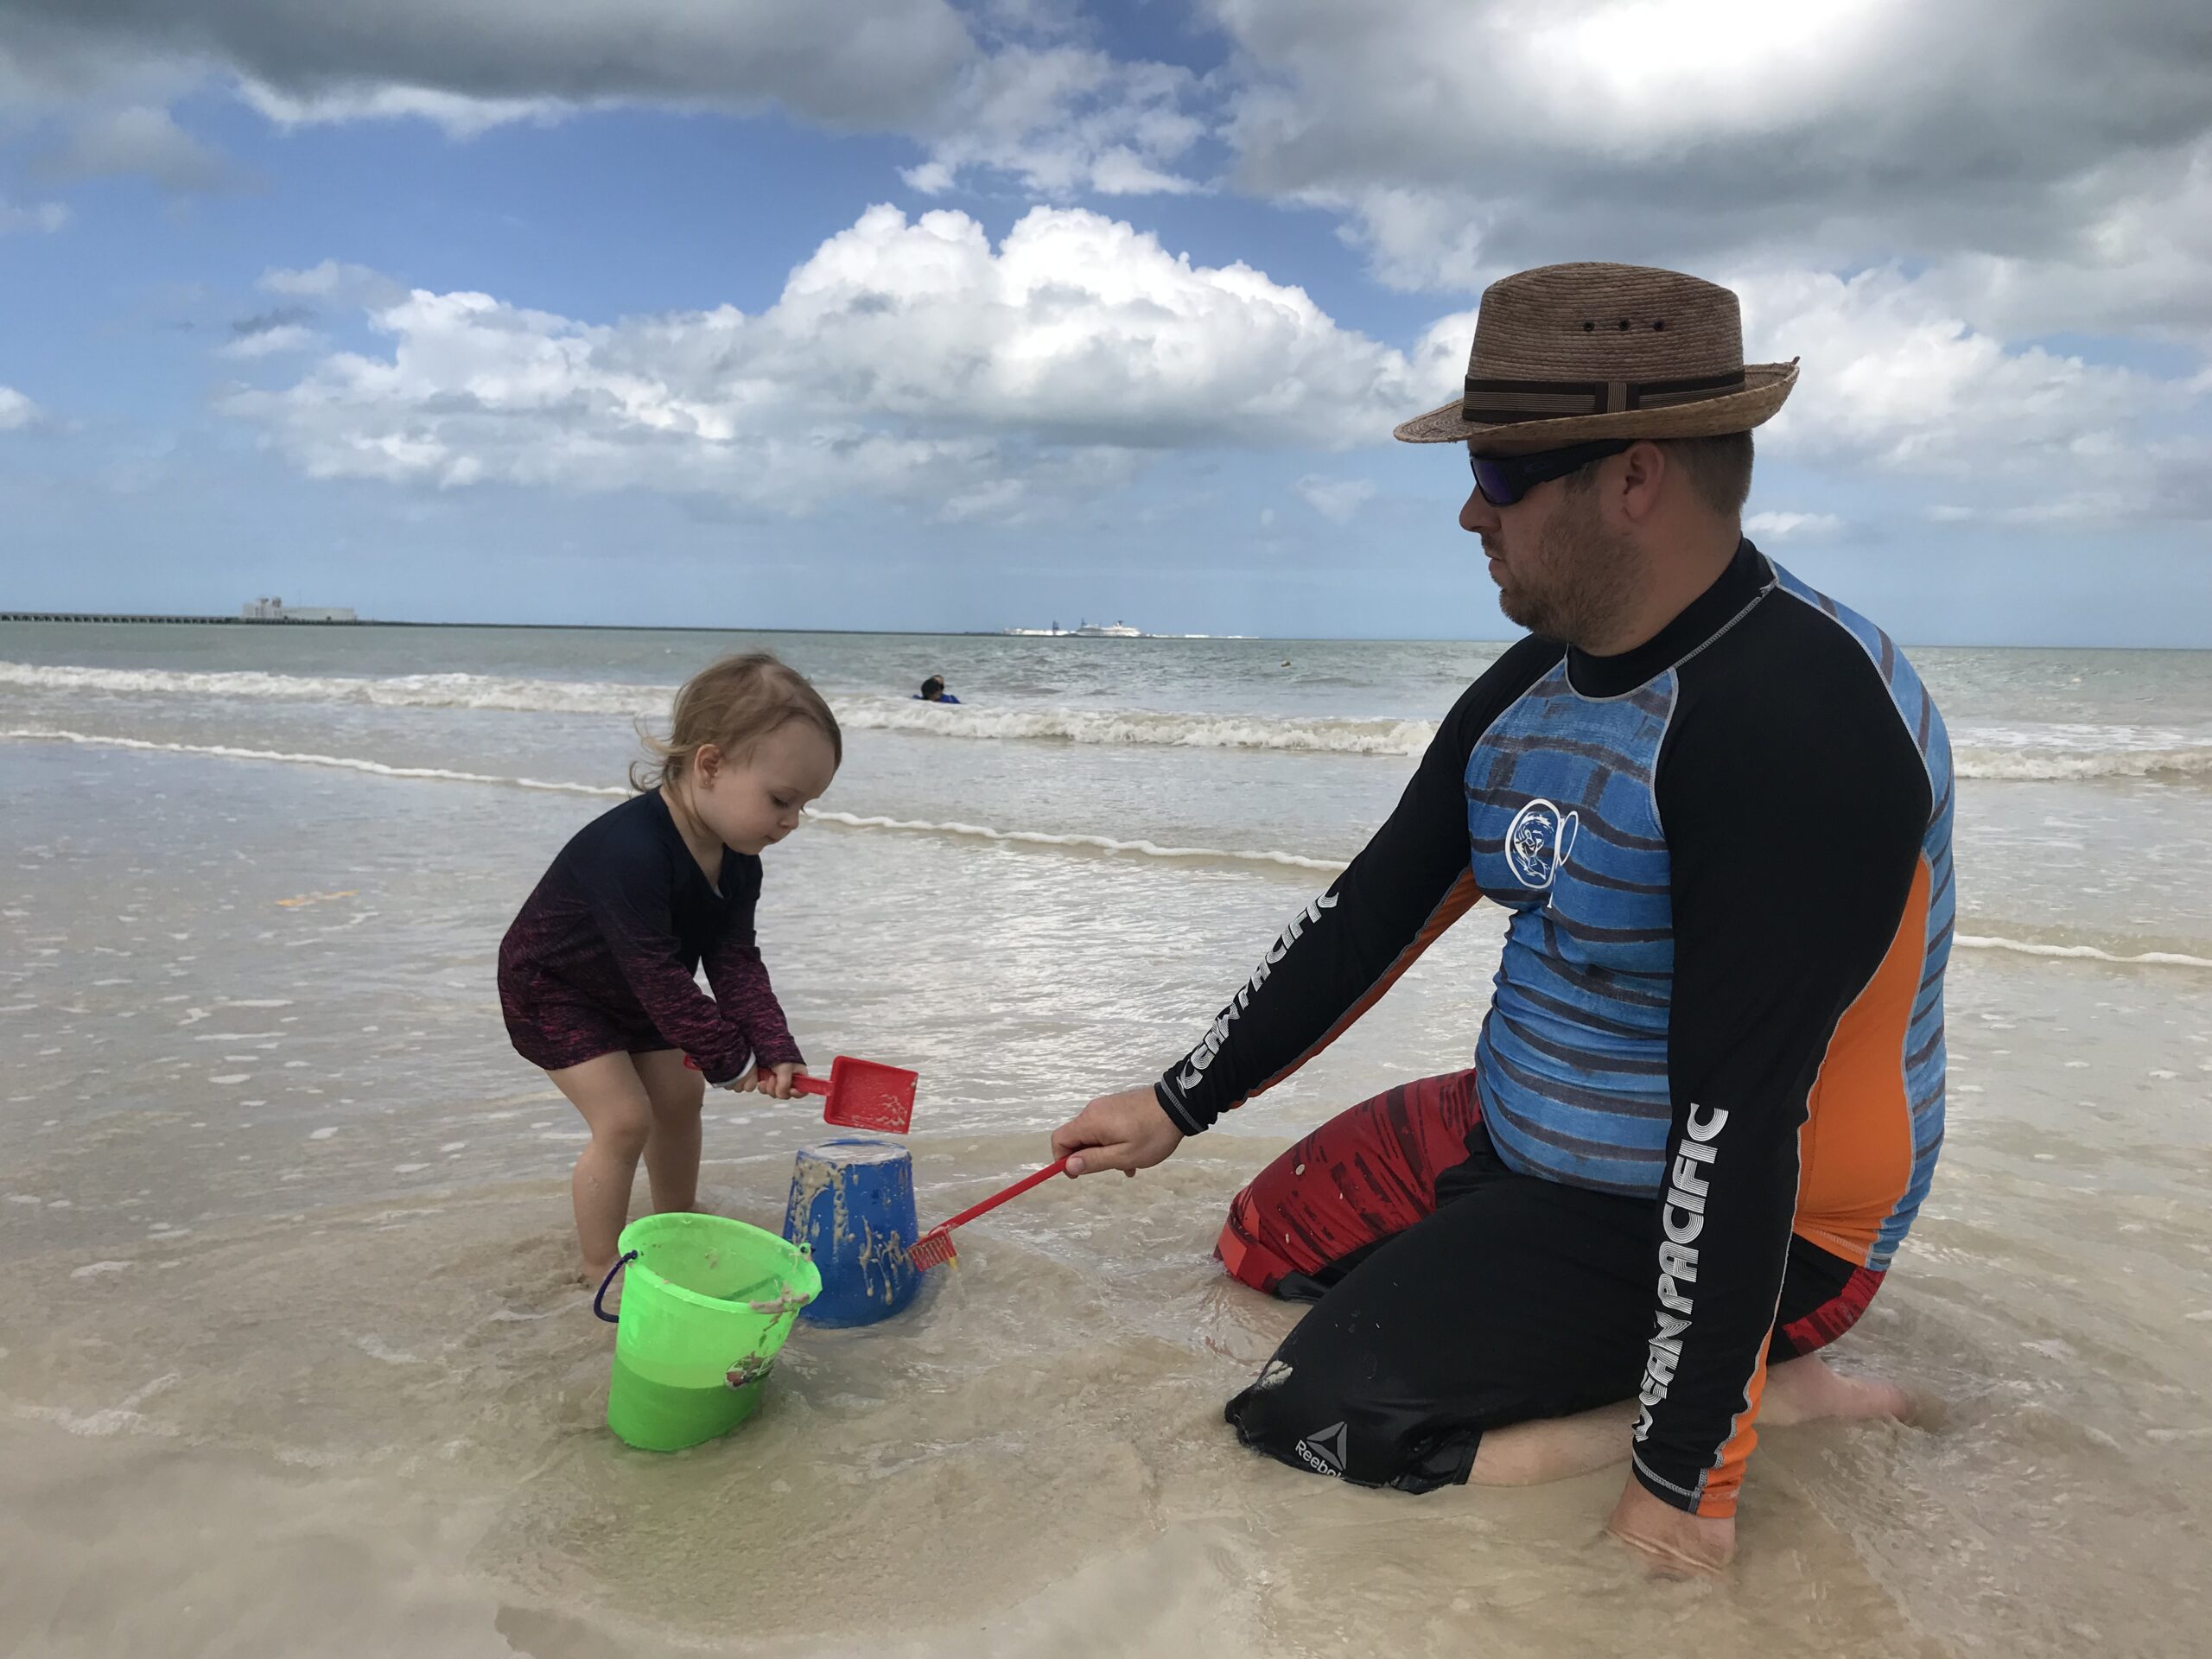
{"x":1708,"y":1094}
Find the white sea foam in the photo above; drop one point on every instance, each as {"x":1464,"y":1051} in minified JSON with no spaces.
{"x":2010,"y":753}
{"x":2035,"y":753}
{"x":2081,"y":952}
{"x":1115,"y":727}
{"x":1040,"y":838}
{"x":391,"y":691}
{"x":1095,"y":843}
{"x":340,"y":762}
{"x":1137,"y":727}
{"x":848,"y":820}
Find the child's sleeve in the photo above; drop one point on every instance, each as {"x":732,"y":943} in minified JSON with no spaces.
{"x":629,"y":899}
{"x":748,"y":1000}
{"x":740,"y":978}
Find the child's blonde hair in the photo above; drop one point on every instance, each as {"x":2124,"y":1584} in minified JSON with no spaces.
{"x":733,"y":704}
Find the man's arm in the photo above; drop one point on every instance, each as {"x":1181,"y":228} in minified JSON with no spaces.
{"x":1795,"y":804}
{"x":1340,"y":954}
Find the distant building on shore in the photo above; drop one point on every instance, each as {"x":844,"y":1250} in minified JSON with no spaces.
{"x":274,"y":610}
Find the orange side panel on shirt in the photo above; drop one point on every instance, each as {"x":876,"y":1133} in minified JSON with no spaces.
{"x":1855,"y":1150}
{"x":1461,"y":897}
{"x":1718,"y":1500}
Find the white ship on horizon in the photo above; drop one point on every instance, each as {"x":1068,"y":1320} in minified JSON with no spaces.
{"x":1084,"y":630}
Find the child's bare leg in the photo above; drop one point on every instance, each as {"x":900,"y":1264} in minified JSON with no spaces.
{"x":672,"y":1148}
{"x":607,"y":1090}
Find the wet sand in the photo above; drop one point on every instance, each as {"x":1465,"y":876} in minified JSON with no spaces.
{"x":291,"y":1362}
{"x":377,"y":1425}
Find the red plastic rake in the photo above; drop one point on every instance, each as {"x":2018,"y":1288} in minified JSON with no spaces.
{"x":934,"y":1248}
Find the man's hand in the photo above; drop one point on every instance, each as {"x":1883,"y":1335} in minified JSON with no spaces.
{"x":1129,"y":1131}
{"x":1671,"y":1541}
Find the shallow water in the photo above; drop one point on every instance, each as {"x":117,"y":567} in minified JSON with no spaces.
{"x":292,"y":1361}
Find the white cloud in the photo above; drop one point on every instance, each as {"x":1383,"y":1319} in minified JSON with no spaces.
{"x":17,"y":411}
{"x":461,"y":116}
{"x":315,"y":281}
{"x":1010,"y":89}
{"x":138,"y":139}
{"x":46,"y":216}
{"x":1914,"y":197}
{"x":855,"y":65}
{"x":1792,"y":526}
{"x":1661,"y":129}
{"x":1893,"y":378}
{"x":1062,"y":119}
{"x":333,"y":281}
{"x":907,"y":360}
{"x":2138,"y":259}
{"x":272,"y":342}
{"x":1895,"y":384}
{"x":931,"y":178}
{"x":1336,"y":499}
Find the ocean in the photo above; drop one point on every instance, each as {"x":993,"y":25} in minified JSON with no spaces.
{"x":285,"y":1218}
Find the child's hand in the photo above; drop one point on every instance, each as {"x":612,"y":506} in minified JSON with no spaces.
{"x":744,"y":1083}
{"x":777,"y":1081}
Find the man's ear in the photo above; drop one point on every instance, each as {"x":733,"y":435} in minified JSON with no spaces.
{"x":1644,"y":474}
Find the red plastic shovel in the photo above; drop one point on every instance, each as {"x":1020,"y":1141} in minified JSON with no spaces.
{"x":934,"y":1248}
{"x":860,"y":1094}
{"x":864,"y":1094}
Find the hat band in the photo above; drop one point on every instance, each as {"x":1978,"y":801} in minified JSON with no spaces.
{"x":1505,"y":402}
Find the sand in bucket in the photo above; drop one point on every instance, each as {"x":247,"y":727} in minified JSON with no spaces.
{"x":705,"y":1304}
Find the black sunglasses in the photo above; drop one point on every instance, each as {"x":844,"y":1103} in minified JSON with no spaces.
{"x":1504,"y":479}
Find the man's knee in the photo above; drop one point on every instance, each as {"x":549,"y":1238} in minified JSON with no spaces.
{"x":1297,"y":1418}
{"x":1313,"y":1422}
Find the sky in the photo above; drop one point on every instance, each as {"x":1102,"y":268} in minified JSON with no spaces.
{"x":904,"y":314}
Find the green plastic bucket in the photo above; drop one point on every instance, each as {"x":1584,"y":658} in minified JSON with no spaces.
{"x":706,"y":1305}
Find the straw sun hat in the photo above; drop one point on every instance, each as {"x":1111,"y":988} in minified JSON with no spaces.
{"x":1569,"y":355}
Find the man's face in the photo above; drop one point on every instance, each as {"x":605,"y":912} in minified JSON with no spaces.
{"x":1561,"y":571}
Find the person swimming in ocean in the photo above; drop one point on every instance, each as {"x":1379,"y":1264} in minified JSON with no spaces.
{"x":1708,"y":1098}
{"x":933,"y":691}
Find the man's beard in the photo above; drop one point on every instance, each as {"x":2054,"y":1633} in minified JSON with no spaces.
{"x":1580,"y":582}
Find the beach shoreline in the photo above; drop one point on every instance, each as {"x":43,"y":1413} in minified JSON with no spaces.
{"x":294,"y":1355}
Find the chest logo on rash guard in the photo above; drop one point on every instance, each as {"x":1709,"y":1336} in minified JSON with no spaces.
{"x":1538,"y":842}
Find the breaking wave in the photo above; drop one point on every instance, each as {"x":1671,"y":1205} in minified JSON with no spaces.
{"x":2021,"y":753}
{"x":1049,"y":840}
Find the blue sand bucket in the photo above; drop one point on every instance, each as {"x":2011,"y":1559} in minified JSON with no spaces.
{"x":852,"y":1205}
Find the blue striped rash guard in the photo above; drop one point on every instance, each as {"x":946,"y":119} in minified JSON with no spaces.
{"x":1725,"y":858}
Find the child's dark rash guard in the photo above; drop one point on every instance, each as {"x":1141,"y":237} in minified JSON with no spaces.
{"x":1727,"y":858}
{"x":602,"y":957}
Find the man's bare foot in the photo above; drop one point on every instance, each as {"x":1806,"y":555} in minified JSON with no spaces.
{"x":1806,"y":1389}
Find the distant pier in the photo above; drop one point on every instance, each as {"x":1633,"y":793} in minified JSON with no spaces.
{"x":222,"y":621}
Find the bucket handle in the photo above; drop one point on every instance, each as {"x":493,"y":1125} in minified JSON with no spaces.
{"x":599,"y":1302}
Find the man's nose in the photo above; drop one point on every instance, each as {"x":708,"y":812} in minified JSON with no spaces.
{"x":1478,"y":518}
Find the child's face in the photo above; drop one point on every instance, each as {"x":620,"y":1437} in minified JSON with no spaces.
{"x":754,"y":804}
